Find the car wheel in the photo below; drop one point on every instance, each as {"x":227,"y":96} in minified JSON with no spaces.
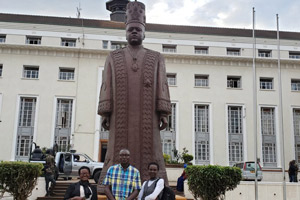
{"x":97,"y":176}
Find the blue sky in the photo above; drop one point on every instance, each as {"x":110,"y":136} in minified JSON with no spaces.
{"x":216,"y":13}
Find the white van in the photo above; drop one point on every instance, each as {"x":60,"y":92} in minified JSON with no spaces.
{"x":68,"y":163}
{"x":248,"y":170}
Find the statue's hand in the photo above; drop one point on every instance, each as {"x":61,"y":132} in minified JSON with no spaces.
{"x":105,"y":123}
{"x":163,"y":122}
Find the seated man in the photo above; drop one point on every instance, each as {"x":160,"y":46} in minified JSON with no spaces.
{"x":152,"y":189}
{"x":122,"y":181}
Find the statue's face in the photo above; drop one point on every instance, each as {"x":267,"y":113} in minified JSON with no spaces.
{"x":135,"y":33}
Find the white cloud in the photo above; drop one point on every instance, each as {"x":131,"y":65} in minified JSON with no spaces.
{"x":221,"y":13}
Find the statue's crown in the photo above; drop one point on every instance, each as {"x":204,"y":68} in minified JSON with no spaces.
{"x":135,"y":13}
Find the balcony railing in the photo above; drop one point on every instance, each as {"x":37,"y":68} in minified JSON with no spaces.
{"x":201,"y":51}
{"x":264,"y":54}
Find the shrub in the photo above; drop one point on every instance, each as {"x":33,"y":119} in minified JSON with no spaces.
{"x":19,"y":178}
{"x":167,"y":158}
{"x":187,"y":158}
{"x":212,"y":181}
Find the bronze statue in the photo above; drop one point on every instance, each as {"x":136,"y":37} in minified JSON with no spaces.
{"x":134,"y":99}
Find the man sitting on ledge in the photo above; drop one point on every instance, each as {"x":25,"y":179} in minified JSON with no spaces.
{"x":122,"y":181}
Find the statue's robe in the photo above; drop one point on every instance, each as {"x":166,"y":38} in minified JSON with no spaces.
{"x":134,"y":99}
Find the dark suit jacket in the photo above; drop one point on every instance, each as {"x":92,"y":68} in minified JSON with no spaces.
{"x":74,"y":190}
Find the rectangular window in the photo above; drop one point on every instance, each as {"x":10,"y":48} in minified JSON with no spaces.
{"x":201,"y":122}
{"x":2,"y":38}
{"x":235,"y":125}
{"x":295,"y":84}
{"x":66,"y":73}
{"x":169,"y":48}
{"x":201,"y":50}
{"x":266,"y":83}
{"x":23,"y":146}
{"x":31,"y":72}
{"x":105,"y":44}
{"x":63,"y":123}
{"x":1,"y":68}
{"x":294,"y":55}
{"x":168,"y":135}
{"x":296,"y":120}
{"x":64,"y":113}
{"x":201,"y":80}
{"x":25,"y":129}
{"x":27,"y":111}
{"x":267,"y":121}
{"x":233,"y":82}
{"x":171,"y":79}
{"x":233,"y":51}
{"x":264,"y":53}
{"x":268,"y":137}
{"x":33,"y":40}
{"x":68,"y":42}
{"x":235,"y":134}
{"x":0,"y":105}
{"x":117,"y":45}
{"x":172,"y":119}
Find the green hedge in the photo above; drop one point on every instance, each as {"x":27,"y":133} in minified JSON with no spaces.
{"x":212,"y":181}
{"x":19,"y":178}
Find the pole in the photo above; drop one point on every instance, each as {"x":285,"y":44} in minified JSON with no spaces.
{"x":254,"y":104}
{"x":281,"y":132}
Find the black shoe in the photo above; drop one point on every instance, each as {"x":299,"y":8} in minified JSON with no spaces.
{"x":52,"y":194}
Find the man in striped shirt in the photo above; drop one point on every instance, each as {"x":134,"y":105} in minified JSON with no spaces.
{"x":122,"y":181}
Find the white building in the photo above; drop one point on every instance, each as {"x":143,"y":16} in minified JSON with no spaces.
{"x":51,"y":70}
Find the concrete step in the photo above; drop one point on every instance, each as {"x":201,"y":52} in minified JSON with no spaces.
{"x":61,"y":188}
{"x":50,"y":198}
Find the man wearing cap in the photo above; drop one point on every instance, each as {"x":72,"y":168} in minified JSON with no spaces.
{"x":134,"y":98}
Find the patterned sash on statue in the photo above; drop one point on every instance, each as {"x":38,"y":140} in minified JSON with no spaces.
{"x":121,"y":129}
{"x":147,"y":93}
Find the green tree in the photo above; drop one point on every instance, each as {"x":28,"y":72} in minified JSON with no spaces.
{"x":187,"y":158}
{"x":212,"y":181}
{"x":19,"y":178}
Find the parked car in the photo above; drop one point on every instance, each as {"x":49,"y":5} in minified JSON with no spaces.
{"x":248,"y":170}
{"x":68,"y":163}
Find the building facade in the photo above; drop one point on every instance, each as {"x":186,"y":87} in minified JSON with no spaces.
{"x":51,"y":72}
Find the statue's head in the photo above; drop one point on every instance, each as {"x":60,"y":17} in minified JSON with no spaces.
{"x":135,"y":23}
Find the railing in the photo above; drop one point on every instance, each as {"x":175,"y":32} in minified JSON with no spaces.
{"x":233,"y":53}
{"x":201,"y":51}
{"x":33,"y":41}
{"x":171,"y":81}
{"x":233,"y":83}
{"x":169,"y":50}
{"x":66,"y":75}
{"x":295,"y":86}
{"x":266,"y":85}
{"x":201,"y":82}
{"x":265,"y":55}
{"x":294,"y":56}
{"x":68,"y":43}
{"x":31,"y":74}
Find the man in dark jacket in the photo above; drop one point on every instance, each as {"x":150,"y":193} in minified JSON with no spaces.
{"x":49,"y":171}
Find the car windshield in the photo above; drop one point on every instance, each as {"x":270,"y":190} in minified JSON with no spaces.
{"x":89,"y":158}
{"x":250,"y":166}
